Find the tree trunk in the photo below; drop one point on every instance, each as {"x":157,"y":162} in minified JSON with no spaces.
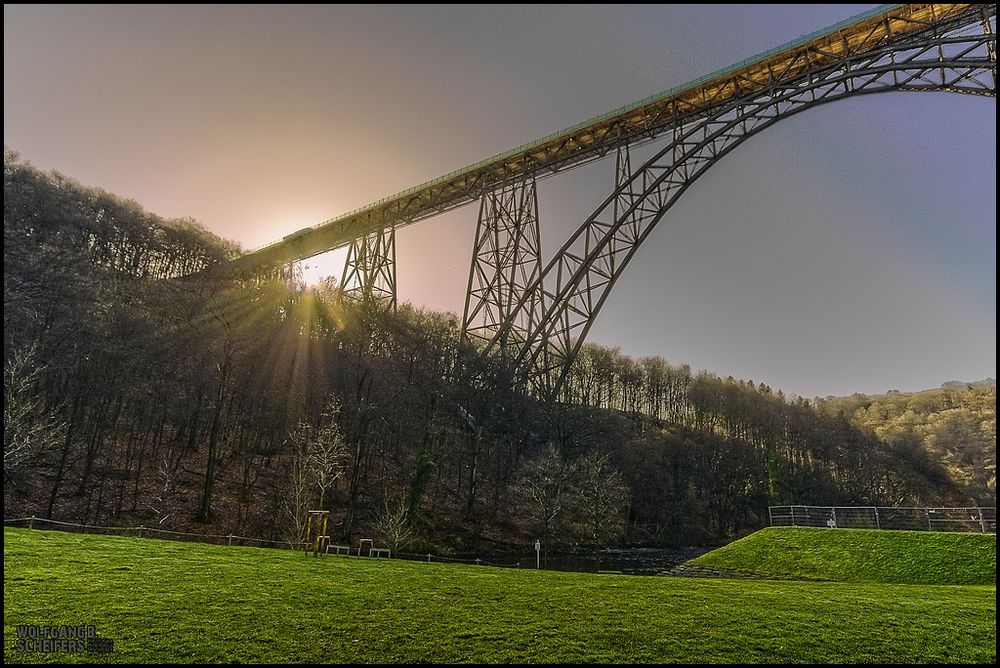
{"x":205,"y":508}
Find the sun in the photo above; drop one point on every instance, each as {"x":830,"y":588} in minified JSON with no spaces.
{"x":317,"y":267}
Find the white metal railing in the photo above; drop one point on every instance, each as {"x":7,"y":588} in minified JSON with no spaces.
{"x":971,"y":519}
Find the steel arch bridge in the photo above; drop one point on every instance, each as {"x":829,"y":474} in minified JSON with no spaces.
{"x":535,"y":317}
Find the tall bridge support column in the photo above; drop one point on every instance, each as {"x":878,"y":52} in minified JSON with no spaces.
{"x":506,"y":259}
{"x":610,"y":246}
{"x":370,"y":269}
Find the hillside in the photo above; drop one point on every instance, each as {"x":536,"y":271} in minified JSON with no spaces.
{"x":162,"y":601}
{"x":860,"y":555}
{"x":235,"y":405}
{"x":955,"y":426}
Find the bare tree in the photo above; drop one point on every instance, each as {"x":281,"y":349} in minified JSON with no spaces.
{"x":27,"y":425}
{"x":317,"y":461}
{"x":392,"y":526}
{"x":546,"y":482}
{"x":327,"y":450}
{"x":299,"y":493}
{"x":160,"y":501}
{"x":603,"y":499}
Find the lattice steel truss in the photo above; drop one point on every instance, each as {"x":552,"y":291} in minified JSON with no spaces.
{"x":539,"y":319}
{"x":953,"y":56}
{"x":638,"y":123}
{"x":506,"y":259}
{"x":370,"y":269}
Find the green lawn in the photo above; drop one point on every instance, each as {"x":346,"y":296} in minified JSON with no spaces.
{"x":862,"y":555}
{"x":181,"y":602}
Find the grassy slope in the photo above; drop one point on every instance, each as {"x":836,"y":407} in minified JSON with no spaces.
{"x":862,"y":555}
{"x":169,"y":601}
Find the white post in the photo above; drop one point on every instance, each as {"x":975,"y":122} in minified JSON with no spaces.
{"x":878,"y":523}
{"x":538,"y":554}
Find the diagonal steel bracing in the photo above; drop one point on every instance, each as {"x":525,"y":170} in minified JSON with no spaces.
{"x":370,"y":269}
{"x":506,"y":259}
{"x":641,"y":122}
{"x":958,"y":56}
{"x":537,"y":320}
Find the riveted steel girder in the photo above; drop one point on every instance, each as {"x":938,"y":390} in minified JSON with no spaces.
{"x":574,"y":285}
{"x":638,"y":123}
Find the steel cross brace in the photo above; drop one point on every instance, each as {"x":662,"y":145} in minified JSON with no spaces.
{"x":574,"y":285}
{"x":370,"y":269}
{"x":506,"y":259}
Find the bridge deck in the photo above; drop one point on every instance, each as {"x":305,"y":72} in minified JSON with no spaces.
{"x":633,"y":124}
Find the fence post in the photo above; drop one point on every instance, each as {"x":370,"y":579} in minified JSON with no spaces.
{"x":770,"y":516}
{"x":140,"y":530}
{"x":428,"y":558}
{"x":982,"y":524}
{"x":230,"y":540}
{"x":928,"y":513}
{"x":31,"y":522}
{"x":833,"y":514}
{"x":478,"y":562}
{"x":878,"y":523}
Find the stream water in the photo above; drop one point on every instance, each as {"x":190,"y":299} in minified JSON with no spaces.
{"x":631,"y":561}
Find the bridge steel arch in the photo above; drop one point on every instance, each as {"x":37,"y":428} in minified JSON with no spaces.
{"x":635,"y":124}
{"x":956,"y":56}
{"x":536,"y":320}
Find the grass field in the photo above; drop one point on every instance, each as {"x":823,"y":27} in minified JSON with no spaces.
{"x":862,"y":555}
{"x":181,"y":602}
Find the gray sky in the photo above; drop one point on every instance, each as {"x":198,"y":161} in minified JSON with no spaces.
{"x":849,"y":248}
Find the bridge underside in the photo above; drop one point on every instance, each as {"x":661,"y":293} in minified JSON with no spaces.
{"x":575,"y":284}
{"x":534,"y":317}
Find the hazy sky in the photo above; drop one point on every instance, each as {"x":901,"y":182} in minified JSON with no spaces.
{"x":849,"y":248}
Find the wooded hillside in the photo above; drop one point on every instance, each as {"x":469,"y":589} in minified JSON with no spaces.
{"x":134,"y":395}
